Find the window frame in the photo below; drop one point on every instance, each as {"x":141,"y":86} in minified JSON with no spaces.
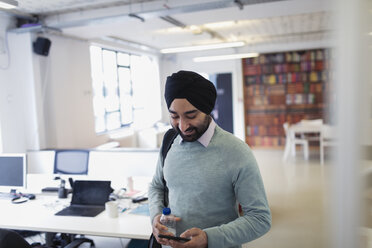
{"x":118,"y":91}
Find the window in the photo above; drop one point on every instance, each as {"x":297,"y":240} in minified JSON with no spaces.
{"x":126,"y":90}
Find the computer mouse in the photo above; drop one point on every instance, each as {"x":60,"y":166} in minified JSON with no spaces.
{"x":30,"y":196}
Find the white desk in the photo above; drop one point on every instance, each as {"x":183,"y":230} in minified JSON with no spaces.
{"x":38,"y":215}
{"x":35,"y":216}
{"x":300,"y":128}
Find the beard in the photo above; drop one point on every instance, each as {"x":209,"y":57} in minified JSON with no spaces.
{"x":198,"y":130}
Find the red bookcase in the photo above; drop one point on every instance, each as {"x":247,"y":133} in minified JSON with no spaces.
{"x":279,"y":87}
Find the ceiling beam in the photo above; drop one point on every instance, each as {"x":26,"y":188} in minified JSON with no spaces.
{"x":154,"y":9}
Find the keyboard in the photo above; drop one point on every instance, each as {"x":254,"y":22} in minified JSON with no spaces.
{"x":50,"y":189}
{"x":82,"y":210}
{"x":7,"y":196}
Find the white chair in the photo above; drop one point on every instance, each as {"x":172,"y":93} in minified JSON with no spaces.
{"x":291,"y":142}
{"x":315,"y":122}
{"x":327,"y":138}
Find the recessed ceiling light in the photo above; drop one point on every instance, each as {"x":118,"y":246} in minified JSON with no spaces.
{"x":202,"y":47}
{"x":8,"y":4}
{"x":225,"y":57}
{"x":195,"y":29}
{"x":225,"y":24}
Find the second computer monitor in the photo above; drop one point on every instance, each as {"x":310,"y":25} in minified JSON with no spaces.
{"x":71,"y":162}
{"x":13,"y":170}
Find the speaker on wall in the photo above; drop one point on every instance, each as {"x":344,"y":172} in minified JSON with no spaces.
{"x":41,"y":46}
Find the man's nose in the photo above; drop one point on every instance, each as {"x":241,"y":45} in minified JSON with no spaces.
{"x":183,"y":124}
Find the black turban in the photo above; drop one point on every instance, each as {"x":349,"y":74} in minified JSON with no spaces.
{"x":199,"y":91}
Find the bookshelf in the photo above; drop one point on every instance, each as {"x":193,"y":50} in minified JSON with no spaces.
{"x":283,"y":87}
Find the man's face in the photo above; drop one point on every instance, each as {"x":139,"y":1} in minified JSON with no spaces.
{"x":190,"y":122}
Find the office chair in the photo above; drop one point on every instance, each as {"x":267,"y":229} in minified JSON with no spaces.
{"x":11,"y":239}
{"x":66,"y":240}
{"x":78,"y":241}
{"x":70,"y":161}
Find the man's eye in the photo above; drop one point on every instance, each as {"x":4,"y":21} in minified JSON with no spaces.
{"x":191,"y":117}
{"x":174,"y":116}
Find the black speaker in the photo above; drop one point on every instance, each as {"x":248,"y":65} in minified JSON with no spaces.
{"x":41,"y":46}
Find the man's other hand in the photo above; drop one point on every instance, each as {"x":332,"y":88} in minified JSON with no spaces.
{"x":198,"y":237}
{"x":158,"y":228}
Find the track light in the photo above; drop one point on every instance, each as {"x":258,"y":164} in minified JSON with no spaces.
{"x":8,"y":4}
{"x":203,"y":47}
{"x":225,"y":57}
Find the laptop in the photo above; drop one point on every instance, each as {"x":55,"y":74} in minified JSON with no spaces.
{"x":88,"y":198}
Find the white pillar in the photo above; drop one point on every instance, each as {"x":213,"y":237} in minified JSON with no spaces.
{"x":350,"y":79}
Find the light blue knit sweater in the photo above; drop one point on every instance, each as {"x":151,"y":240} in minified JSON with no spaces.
{"x":206,"y":183}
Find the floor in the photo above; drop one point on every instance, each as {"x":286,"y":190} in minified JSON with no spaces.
{"x":297,"y":195}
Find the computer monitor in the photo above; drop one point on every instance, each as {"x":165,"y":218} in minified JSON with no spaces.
{"x":72,"y":161}
{"x":13,"y":171}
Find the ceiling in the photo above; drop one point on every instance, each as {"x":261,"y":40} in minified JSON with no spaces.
{"x":172,"y":23}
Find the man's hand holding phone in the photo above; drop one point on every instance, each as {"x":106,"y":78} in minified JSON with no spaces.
{"x":191,"y":238}
{"x":198,"y":239}
{"x":179,"y":239}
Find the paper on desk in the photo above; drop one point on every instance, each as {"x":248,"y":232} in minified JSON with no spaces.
{"x":131,"y":193}
{"x":142,"y":209}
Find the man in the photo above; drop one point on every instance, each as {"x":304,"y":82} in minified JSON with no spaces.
{"x":208,"y":172}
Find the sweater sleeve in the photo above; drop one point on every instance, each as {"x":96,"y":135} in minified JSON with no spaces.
{"x":156,"y":191}
{"x":256,"y":219}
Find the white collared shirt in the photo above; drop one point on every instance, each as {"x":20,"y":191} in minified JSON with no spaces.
{"x":205,"y":139}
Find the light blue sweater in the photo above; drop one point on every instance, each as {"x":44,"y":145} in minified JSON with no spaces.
{"x":205,"y":186}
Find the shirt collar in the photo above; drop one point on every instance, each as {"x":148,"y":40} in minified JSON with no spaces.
{"x":205,"y":139}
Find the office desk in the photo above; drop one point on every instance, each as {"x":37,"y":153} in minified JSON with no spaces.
{"x":38,"y":215}
{"x":300,"y":128}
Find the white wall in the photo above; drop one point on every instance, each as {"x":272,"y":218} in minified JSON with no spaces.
{"x":68,"y":95}
{"x":46,"y":101}
{"x":19,"y":129}
{"x":68,"y":103}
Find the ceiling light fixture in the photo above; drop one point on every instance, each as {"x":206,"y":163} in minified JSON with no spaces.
{"x":225,"y":57}
{"x":203,"y":47}
{"x":8,"y":4}
{"x":127,"y":43}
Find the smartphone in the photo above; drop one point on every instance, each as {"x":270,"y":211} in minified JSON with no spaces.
{"x":179,"y":239}
{"x":139,"y":199}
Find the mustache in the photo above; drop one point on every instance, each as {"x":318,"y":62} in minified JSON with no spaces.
{"x":189,"y":129}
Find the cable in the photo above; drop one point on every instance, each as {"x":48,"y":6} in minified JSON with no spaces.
{"x":19,"y":200}
{"x":7,"y":52}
